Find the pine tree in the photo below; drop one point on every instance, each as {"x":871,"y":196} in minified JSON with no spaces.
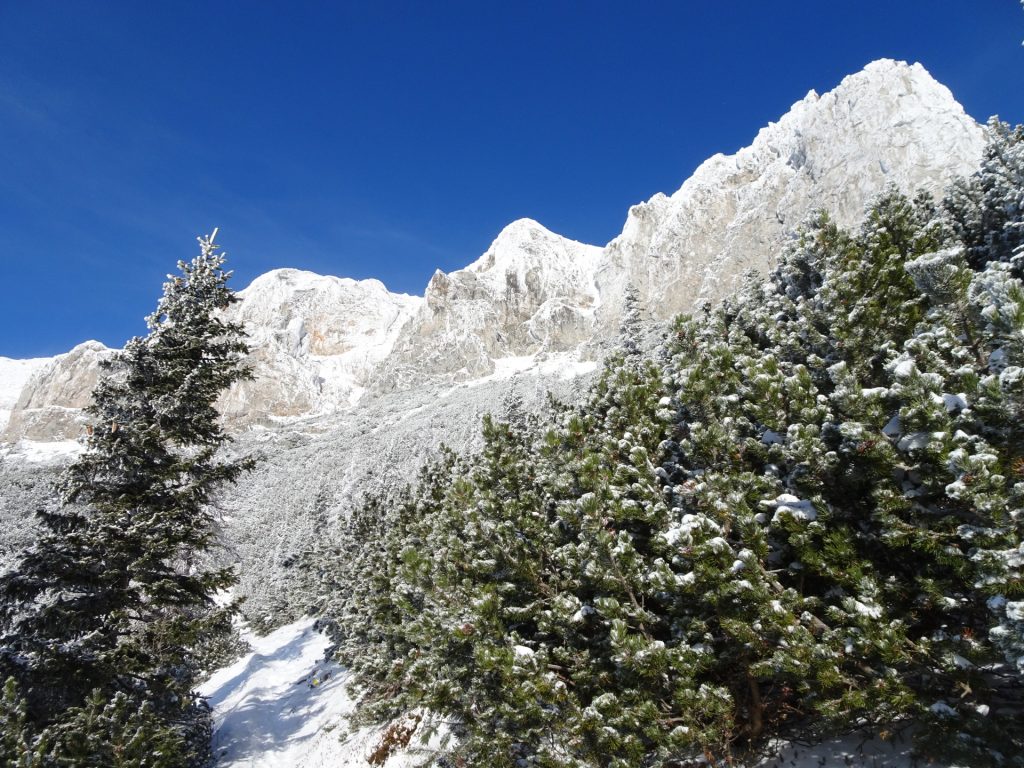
{"x":113,"y":599}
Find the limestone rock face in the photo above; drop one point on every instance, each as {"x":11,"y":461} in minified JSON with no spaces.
{"x":315,"y":343}
{"x":49,"y":408}
{"x":532,"y":292}
{"x":890,"y":124}
{"x":14,"y":374}
{"x":538,"y":301}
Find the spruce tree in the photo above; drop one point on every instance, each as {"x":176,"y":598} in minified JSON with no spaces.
{"x":105,"y":613}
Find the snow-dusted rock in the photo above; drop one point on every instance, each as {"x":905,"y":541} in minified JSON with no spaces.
{"x":532,"y":292}
{"x":315,"y":343}
{"x":49,"y":405}
{"x":14,"y":374}
{"x":890,"y":124}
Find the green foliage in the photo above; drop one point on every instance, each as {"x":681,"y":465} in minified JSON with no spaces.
{"x":116,"y":733}
{"x":987,"y":210}
{"x":18,"y":747}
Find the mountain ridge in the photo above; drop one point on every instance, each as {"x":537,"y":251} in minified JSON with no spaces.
{"x":322,"y":343}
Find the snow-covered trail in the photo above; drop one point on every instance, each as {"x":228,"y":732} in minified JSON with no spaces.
{"x":281,"y":705}
{"x":284,"y":706}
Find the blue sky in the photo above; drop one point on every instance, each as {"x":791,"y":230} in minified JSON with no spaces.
{"x":388,"y":139}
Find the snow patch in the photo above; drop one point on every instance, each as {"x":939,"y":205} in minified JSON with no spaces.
{"x":36,"y":452}
{"x":786,"y":504}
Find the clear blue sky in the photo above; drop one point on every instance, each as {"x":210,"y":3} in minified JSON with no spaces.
{"x":386,"y":139}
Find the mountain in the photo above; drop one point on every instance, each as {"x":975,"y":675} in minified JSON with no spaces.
{"x":48,"y":405}
{"x":315,"y":342}
{"x":890,"y":124}
{"x":535,"y":298}
{"x":532,"y":293}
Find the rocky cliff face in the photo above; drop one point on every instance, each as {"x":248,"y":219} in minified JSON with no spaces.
{"x":530,"y":294}
{"x":49,"y":407}
{"x":315,"y":340}
{"x":535,"y":298}
{"x":14,"y":374}
{"x":891,"y":124}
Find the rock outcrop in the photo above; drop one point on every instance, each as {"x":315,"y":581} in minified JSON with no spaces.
{"x":531,"y":293}
{"x":315,"y":342}
{"x":49,"y":408}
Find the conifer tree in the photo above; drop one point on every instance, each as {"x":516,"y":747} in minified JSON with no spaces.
{"x":105,"y":612}
{"x":987,"y":209}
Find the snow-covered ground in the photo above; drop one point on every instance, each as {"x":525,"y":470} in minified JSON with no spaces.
{"x":36,"y":452}
{"x":855,"y":750}
{"x":284,"y":706}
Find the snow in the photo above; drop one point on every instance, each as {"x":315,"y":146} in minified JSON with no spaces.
{"x":915,"y":441}
{"x":1015,"y":610}
{"x":786,"y":504}
{"x":905,"y":369}
{"x":942,"y":708}
{"x":283,"y":706}
{"x":38,"y":452}
{"x":952,"y":403}
{"x":523,"y":652}
{"x":268,"y":712}
{"x":562,"y":366}
{"x":871,"y":610}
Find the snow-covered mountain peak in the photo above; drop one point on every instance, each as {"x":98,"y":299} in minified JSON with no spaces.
{"x":889,"y":105}
{"x":316,"y":340}
{"x":889,"y":124}
{"x":531,"y":291}
{"x":527,"y":255}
